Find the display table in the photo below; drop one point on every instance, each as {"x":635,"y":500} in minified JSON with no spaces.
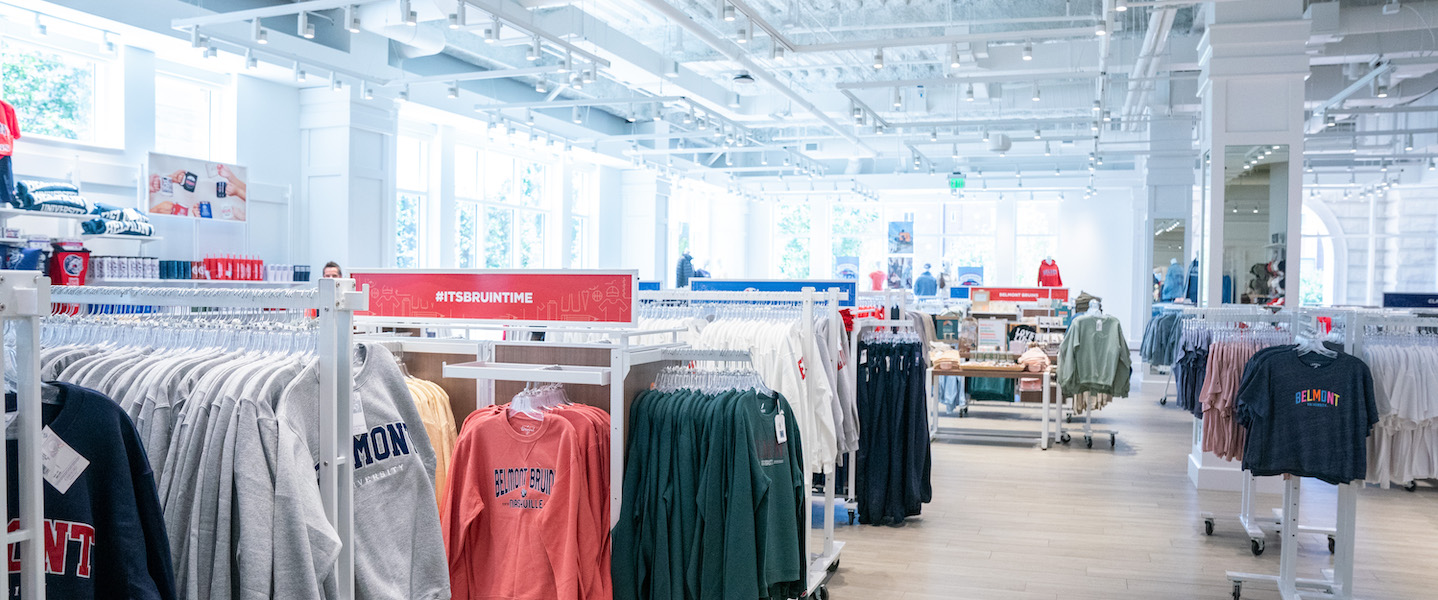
{"x":1045,"y":435}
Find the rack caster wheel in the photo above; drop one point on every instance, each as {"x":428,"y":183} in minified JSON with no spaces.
{"x":1332,"y":543}
{"x":853,"y":517}
{"x":1411,"y":486}
{"x":963,"y":412}
{"x":1088,"y":440}
{"x":1113,"y":440}
{"x":1069,"y":419}
{"x":1065,"y":438}
{"x":834,"y":567}
{"x":1208,"y":527}
{"x":1256,"y":546}
{"x":1237,"y":590}
{"x":1163,"y":401}
{"x":822,"y":593}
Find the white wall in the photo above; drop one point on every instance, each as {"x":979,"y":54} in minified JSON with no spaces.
{"x":1098,"y":239}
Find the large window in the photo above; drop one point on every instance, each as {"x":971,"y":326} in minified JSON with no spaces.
{"x":858,"y":232}
{"x":54,"y":92}
{"x":969,"y":229}
{"x":1036,"y":225}
{"x":792,"y":233}
{"x":1317,"y":270}
{"x":412,"y":184}
{"x":512,"y":196}
{"x":187,"y":113}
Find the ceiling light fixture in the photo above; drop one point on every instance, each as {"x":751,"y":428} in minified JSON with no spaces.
{"x":1120,"y":6}
{"x":576,"y":81}
{"x":1097,"y":106}
{"x":879,"y":58}
{"x":934,"y":135}
{"x":541,"y":86}
{"x":306,"y":28}
{"x":1048,"y":151}
{"x":41,"y":29}
{"x":956,"y":152}
{"x":366,"y":91}
{"x":1353,"y":146}
{"x":335,"y":82}
{"x":407,"y":13}
{"x":576,"y":116}
{"x":1028,"y":50}
{"x":591,"y":74}
{"x":1107,"y":117}
{"x":299,"y":72}
{"x":986,"y":135}
{"x":1408,"y":143}
{"x":566,"y":64}
{"x":899,"y":99}
{"x":954,"y":62}
{"x":258,"y":33}
{"x":491,"y":33}
{"x":352,"y":22}
{"x":211,"y":51}
{"x":878,"y":129}
{"x":1101,"y":29}
{"x":687,"y":118}
{"x":1038,"y":135}
{"x":776,"y":52}
{"x":728,"y":12}
{"x":453,"y":90}
{"x":1307,"y":167}
{"x":250,"y":61}
{"x":1329,"y":121}
{"x":1036,"y":93}
{"x":197,"y":41}
{"x":456,"y":18}
{"x":744,"y":34}
{"x":1094,"y":126}
{"x":1431,"y":165}
{"x":533,"y":53}
{"x":969,"y":93}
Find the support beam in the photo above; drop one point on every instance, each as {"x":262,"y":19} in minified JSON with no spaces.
{"x":584,"y":102}
{"x":475,"y":75}
{"x":278,"y":10}
{"x":1316,"y":124}
{"x":991,"y":77}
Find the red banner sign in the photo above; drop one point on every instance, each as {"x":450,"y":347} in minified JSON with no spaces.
{"x":518,"y":297}
{"x":996,"y":294}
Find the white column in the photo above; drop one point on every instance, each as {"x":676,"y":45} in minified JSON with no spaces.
{"x":1252,"y":88}
{"x":347,"y":197}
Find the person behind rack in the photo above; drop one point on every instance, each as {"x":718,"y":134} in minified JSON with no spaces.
{"x":332,"y":271}
{"x":926,"y":284}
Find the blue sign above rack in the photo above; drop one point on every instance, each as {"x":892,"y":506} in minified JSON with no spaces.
{"x":848,"y":288}
{"x":649,"y":286}
{"x":1396,"y":300}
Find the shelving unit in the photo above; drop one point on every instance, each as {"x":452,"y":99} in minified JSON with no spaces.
{"x":143,"y":239}
{"x":220,"y":282}
{"x":7,"y":213}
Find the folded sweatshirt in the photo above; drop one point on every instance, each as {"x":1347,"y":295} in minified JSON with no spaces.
{"x":26,"y":187}
{"x":58,"y":202}
{"x":109,"y":227}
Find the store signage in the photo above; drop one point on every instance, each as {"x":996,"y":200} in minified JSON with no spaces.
{"x":198,"y":189}
{"x":997,"y":294}
{"x":650,"y":286}
{"x":959,"y":292}
{"x":848,"y":288}
{"x":1396,"y":300}
{"x":956,"y":181}
{"x":534,"y":297}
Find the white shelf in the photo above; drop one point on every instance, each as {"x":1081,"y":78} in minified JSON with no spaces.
{"x":6,"y":213}
{"x":498,"y":371}
{"x":126,"y":238}
{"x":216,"y":282}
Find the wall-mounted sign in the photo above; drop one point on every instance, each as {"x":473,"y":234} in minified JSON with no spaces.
{"x":997,"y":294}
{"x":848,"y":288}
{"x":187,"y":187}
{"x":956,"y":181}
{"x":536,"y":297}
{"x":901,"y":237}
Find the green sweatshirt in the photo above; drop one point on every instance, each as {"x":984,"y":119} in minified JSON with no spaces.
{"x":1095,"y":357}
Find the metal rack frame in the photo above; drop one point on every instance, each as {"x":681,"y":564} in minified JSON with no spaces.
{"x":24,"y":299}
{"x":335,"y":301}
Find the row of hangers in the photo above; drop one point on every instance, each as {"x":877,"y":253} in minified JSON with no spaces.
{"x":262,"y":332}
{"x":709,"y":381}
{"x":535,"y":399}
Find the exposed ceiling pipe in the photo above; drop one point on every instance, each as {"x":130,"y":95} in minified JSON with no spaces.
{"x":1160,"y":26}
{"x":384,"y":19}
{"x":732,"y":53}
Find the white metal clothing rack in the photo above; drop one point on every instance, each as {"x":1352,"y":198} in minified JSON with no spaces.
{"x":334,"y":302}
{"x":24,"y":299}
{"x":625,"y":355}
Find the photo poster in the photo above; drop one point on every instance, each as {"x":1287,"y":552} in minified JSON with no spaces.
{"x":201,"y":189}
{"x":970,"y":276}
{"x":846,"y":267}
{"x":901,"y":272}
{"x":901,"y":237}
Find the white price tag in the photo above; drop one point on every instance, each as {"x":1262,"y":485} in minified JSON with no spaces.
{"x":10,"y":418}
{"x":357,"y":422}
{"x":61,"y":464}
{"x":1098,"y":326}
{"x":779,"y":432}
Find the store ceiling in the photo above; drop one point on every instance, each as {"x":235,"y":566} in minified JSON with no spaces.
{"x":797,"y":79}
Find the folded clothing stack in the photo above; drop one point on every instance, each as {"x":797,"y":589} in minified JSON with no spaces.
{"x":45,"y":196}
{"x":114,"y":220}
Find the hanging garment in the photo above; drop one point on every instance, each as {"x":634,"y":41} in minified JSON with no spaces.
{"x":526,"y":510}
{"x":926,"y":285}
{"x":714,"y":499}
{"x":438,"y":418}
{"x":1190,"y":288}
{"x":1094,"y":357}
{"x":1307,"y":415}
{"x":1173,"y":282}
{"x":1404,"y":444}
{"x":103,"y":531}
{"x":1049,"y":275}
{"x":894,"y":459}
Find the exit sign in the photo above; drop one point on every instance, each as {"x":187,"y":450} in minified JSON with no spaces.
{"x":956,"y":182}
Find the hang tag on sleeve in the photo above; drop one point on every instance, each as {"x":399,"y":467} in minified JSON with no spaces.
{"x":357,"y":422}
{"x":61,"y":464}
{"x":780,"y":433}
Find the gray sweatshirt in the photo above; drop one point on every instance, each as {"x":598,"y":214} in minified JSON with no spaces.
{"x":399,"y":552}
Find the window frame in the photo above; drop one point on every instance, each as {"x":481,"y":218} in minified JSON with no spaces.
{"x":107,"y":106}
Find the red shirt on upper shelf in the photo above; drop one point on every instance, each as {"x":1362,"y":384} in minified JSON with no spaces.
{"x":9,"y":129}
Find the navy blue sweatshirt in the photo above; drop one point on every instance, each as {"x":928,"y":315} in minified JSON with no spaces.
{"x":105,"y":536}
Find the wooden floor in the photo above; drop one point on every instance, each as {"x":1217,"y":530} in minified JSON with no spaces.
{"x":1012,"y":522}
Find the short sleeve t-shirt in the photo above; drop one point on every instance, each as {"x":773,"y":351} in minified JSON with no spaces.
{"x":1308,"y":415}
{"x":9,"y":129}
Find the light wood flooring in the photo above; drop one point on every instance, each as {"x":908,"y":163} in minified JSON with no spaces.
{"x":1012,"y":522}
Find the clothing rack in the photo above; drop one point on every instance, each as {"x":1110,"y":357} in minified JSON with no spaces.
{"x":632,"y":366}
{"x":1339,"y":584}
{"x":334,"y":301}
{"x":24,"y":299}
{"x":854,"y":337}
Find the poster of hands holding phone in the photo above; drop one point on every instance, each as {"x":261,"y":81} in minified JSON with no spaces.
{"x":187,"y":187}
